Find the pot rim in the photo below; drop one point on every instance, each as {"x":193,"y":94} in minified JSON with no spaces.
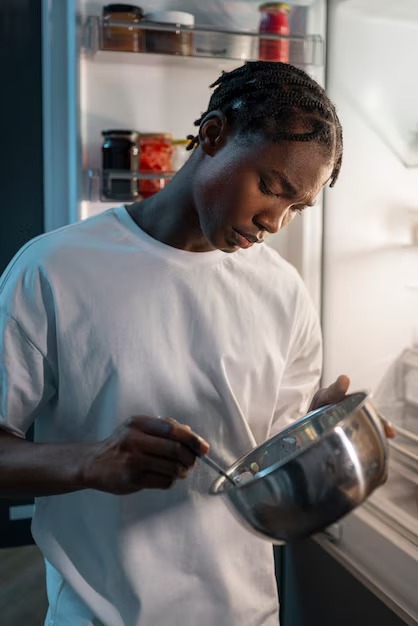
{"x":214,"y":488}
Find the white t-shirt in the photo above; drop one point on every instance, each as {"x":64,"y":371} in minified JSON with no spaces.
{"x":100,"y":322}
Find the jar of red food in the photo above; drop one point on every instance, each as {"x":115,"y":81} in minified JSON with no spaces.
{"x":274,"y":20}
{"x":156,"y":152}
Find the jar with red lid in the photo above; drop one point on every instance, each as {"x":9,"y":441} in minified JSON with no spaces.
{"x":124,"y":37}
{"x":274,"y":20}
{"x":156,"y":151}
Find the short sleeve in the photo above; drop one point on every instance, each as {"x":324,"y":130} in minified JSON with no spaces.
{"x":26,"y":379}
{"x":27,"y":341}
{"x":303,"y":368}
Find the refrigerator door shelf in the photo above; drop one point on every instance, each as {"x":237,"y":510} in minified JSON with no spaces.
{"x":396,"y":504}
{"x":304,"y":50}
{"x":94,"y":181}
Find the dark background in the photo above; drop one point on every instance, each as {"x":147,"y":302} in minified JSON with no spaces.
{"x":21,"y":216}
{"x":21,"y":200}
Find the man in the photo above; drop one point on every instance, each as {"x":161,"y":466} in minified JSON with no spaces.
{"x":134,"y":339}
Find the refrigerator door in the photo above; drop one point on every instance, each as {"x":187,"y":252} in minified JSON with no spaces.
{"x":61,"y":33}
{"x":370,"y":296}
{"x":21,"y":217}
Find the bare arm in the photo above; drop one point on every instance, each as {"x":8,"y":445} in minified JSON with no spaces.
{"x":144,"y":452}
{"x":35,"y":469}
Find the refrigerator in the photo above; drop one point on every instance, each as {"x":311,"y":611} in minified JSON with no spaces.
{"x":356,"y":250}
{"x":22,"y":215}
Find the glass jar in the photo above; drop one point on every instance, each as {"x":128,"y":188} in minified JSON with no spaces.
{"x":120,"y":162}
{"x":156,"y":153}
{"x":169,"y":42}
{"x":274,"y":20}
{"x":122,"y":38}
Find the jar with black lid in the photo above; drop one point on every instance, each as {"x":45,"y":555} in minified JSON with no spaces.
{"x":120,"y":162}
{"x":122,"y":38}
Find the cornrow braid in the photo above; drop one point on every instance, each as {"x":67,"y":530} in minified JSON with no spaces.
{"x":276,"y":99}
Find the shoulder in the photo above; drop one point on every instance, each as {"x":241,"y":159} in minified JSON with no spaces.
{"x":271,"y":258}
{"x":29,"y":270}
{"x":273,"y":273}
{"x":281,"y":290}
{"x":288,"y":287}
{"x":39,"y":250}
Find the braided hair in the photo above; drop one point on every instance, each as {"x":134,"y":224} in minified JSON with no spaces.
{"x":276,"y":99}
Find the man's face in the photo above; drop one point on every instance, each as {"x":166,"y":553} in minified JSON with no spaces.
{"x":246,"y":190}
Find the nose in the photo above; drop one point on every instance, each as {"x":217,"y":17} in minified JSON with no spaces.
{"x":272,"y":220}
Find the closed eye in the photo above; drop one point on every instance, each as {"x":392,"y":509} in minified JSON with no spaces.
{"x":265,"y":189}
{"x":298,"y":208}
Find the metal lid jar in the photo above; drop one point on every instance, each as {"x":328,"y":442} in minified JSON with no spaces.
{"x":120,"y":162}
{"x":170,"y":41}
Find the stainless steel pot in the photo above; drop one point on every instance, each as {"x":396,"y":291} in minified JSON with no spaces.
{"x":311,"y":474}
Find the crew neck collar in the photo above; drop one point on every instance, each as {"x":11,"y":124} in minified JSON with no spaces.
{"x":169,"y":252}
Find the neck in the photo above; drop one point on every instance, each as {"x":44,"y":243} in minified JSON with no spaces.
{"x":170,"y":215}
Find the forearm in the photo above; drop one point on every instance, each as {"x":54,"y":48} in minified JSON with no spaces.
{"x":40,"y":469}
{"x":143,"y":452}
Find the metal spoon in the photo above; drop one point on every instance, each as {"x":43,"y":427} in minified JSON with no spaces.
{"x":214,"y":465}
{"x":211,"y":463}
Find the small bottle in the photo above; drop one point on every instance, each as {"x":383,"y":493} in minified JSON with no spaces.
{"x":274,"y":20}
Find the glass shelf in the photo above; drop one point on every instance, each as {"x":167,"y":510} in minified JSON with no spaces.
{"x":397,"y":501}
{"x":96,"y":180}
{"x":221,"y":43}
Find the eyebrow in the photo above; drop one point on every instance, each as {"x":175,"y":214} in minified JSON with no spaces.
{"x":289,"y":187}
{"x":285,"y":183}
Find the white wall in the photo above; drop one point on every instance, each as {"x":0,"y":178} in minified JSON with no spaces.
{"x":370,"y":306}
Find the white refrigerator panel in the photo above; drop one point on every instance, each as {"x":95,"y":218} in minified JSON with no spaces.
{"x":370,"y":281}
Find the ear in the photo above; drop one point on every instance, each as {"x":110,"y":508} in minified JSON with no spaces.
{"x":213,"y":132}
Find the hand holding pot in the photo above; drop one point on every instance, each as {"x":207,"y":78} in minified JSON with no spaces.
{"x":337,"y":392}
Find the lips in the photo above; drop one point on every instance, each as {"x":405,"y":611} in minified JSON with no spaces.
{"x":245,"y":240}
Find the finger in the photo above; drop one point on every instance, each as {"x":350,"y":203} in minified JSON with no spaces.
{"x":170,"y":429}
{"x":147,"y":464}
{"x":184,"y":434}
{"x":155,"y":481}
{"x":166,"y":449}
{"x":332,"y":394}
{"x":337,"y":391}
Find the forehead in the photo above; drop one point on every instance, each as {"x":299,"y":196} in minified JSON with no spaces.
{"x":308,"y":164}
